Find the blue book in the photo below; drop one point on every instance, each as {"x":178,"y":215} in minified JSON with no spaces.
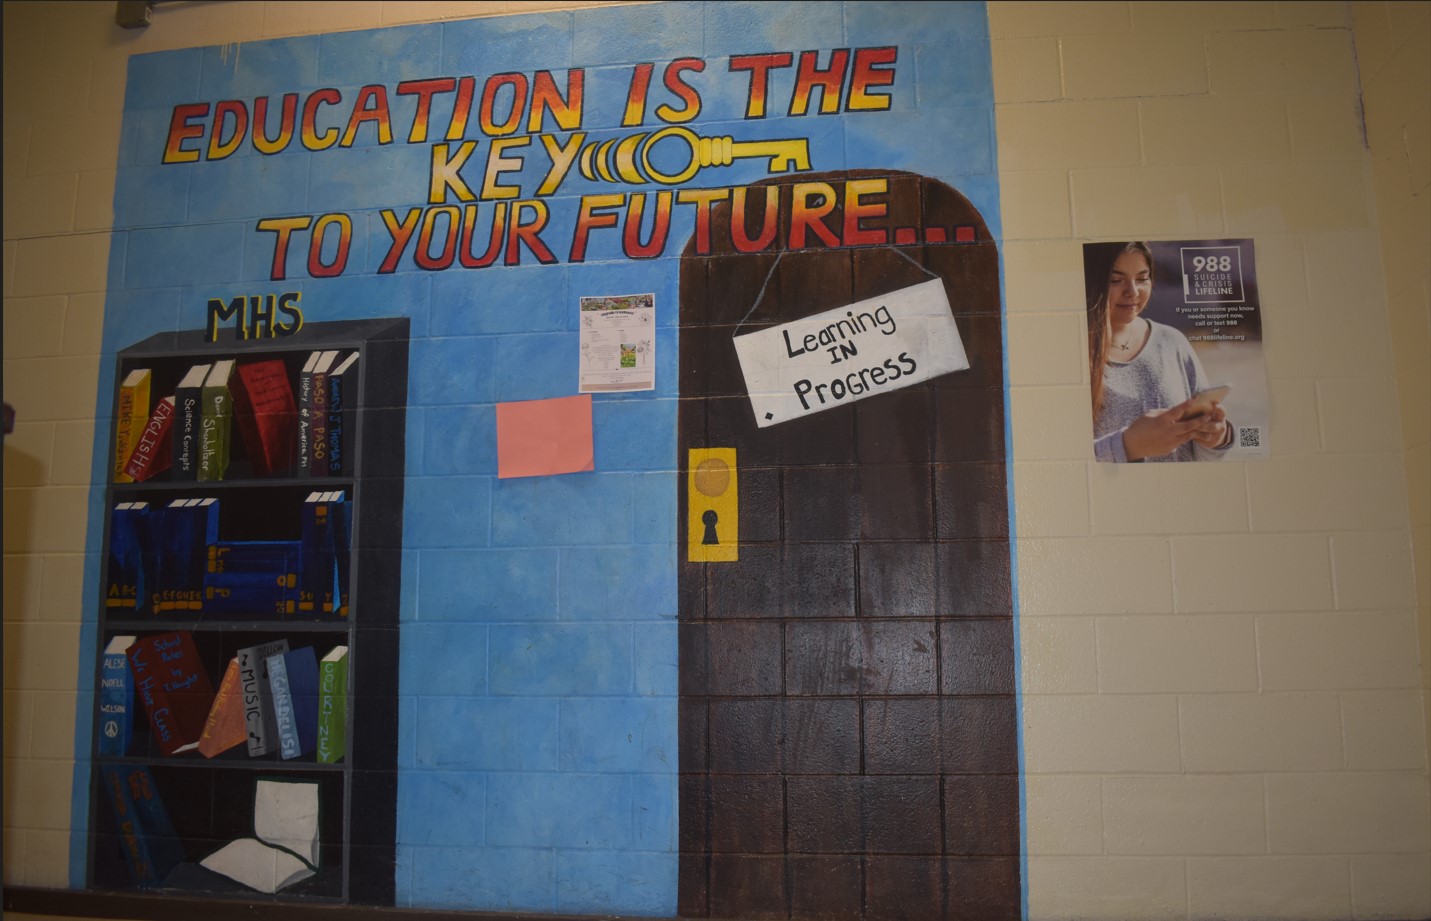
{"x":190,"y":526}
{"x":150,"y":856}
{"x":124,"y":577}
{"x":252,"y":593}
{"x":151,"y":539}
{"x":165,"y":849}
{"x":258,"y":577}
{"x":286,"y":722}
{"x":270,"y":557}
{"x":303,"y":684}
{"x":116,"y":698}
{"x":342,"y":546}
{"x":316,"y":581}
{"x":293,"y":677}
{"x":126,"y":821}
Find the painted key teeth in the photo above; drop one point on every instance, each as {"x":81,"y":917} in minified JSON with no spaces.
{"x":629,"y":159}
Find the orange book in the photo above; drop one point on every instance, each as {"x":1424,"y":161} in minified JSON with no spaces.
{"x":225,"y":726}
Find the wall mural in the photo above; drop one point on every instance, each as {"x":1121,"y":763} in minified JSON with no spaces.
{"x":558,"y":462}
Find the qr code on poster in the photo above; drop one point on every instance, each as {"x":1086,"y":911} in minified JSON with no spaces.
{"x":1250,"y":437}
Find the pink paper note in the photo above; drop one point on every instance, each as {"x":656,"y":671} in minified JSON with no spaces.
{"x":544,"y":437}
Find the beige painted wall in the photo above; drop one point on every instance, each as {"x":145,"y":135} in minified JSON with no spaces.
{"x":1393,"y":47}
{"x":1224,"y":713}
{"x":1225,"y":709}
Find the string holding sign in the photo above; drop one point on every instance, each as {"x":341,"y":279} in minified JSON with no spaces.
{"x":840,"y":356}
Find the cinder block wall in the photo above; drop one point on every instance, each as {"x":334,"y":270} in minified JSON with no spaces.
{"x":1224,"y":702}
{"x":1393,"y":48}
{"x":1223,"y":711}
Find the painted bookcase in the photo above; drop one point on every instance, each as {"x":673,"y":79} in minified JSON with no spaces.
{"x":209,"y":802}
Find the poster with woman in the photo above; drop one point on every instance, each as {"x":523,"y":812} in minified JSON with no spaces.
{"x":1175,"y":351}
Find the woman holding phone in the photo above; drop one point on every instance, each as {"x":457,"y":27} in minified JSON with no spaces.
{"x":1151,"y":399}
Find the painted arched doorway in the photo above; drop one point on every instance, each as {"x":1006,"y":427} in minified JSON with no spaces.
{"x":848,"y":724}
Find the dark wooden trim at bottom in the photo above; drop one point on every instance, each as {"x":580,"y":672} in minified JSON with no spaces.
{"x":74,"y":903}
{"x":88,"y":904}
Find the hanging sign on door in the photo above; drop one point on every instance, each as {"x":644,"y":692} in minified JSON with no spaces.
{"x":850,"y":353}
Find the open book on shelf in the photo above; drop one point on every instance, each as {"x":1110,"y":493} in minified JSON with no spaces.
{"x":284,"y":848}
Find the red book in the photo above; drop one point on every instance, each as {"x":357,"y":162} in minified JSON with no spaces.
{"x":267,"y":416}
{"x":171,"y":683}
{"x":153,"y":453}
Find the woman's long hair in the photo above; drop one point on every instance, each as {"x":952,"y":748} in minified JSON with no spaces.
{"x":1098,"y":259}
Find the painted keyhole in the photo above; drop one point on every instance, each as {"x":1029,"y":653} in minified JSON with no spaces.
{"x":713,"y":509}
{"x":709,"y":519}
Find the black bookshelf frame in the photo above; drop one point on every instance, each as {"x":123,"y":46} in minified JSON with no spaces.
{"x":358,"y":795}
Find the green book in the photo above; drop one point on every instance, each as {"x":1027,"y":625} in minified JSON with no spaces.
{"x":216,"y":420}
{"x":333,"y":706}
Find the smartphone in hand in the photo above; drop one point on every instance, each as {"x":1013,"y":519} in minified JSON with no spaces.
{"x":1203,"y":400}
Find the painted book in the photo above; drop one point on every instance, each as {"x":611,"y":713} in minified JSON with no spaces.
{"x":267,"y":416}
{"x":188,"y":413}
{"x":256,"y":865}
{"x":305,"y":412}
{"x":284,"y":849}
{"x":342,"y":402}
{"x":260,"y":725}
{"x":318,"y":434}
{"x":342,"y":550}
{"x":165,"y":848}
{"x":316,"y":582}
{"x":189,"y":527}
{"x":270,"y":557}
{"x":293,"y":677}
{"x":170,"y":681}
{"x":125,"y":573}
{"x":225,"y":728}
{"x":132,"y":413}
{"x":257,"y":595}
{"x":333,"y":706}
{"x":166,"y":591}
{"x":154,"y":452}
{"x":216,"y":421}
{"x":116,"y":698}
{"x":283,"y":717}
{"x":150,"y":858}
{"x":285,"y":815}
{"x":254,"y":577}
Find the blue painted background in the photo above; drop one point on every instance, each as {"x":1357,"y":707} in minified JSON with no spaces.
{"x":538,"y":724}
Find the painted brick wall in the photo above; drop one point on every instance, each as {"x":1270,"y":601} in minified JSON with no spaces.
{"x":538,"y":754}
{"x":1277,"y":695}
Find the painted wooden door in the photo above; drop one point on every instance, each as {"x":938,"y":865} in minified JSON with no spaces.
{"x":847,"y":720}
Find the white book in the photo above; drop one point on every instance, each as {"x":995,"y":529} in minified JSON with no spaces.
{"x":285,"y":849}
{"x":286,"y":815}
{"x":258,"y":866}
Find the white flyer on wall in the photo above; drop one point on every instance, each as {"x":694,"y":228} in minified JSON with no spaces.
{"x":618,"y":343}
